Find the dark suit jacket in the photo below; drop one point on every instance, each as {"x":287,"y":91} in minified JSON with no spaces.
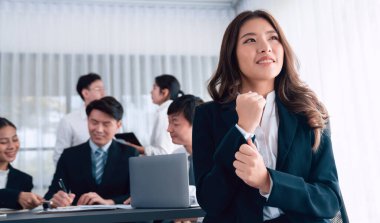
{"x":75,"y":169}
{"x":17,"y":182}
{"x":305,"y":184}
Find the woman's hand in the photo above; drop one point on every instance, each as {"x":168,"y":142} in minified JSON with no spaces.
{"x":29,"y":200}
{"x":249,"y":107}
{"x":93,"y":198}
{"x":140,"y":149}
{"x":250,"y":167}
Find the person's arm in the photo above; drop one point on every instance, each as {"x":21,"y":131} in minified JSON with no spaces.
{"x":213,"y":170}
{"x":9,"y":198}
{"x":59,"y":174}
{"x":123,"y":197}
{"x":318,"y":196}
{"x":64,"y":139}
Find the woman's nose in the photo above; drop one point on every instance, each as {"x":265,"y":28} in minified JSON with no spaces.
{"x":264,"y":47}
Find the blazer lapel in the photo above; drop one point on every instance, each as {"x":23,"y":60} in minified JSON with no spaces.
{"x":87,"y":165}
{"x":12,"y":178}
{"x":286,"y":132}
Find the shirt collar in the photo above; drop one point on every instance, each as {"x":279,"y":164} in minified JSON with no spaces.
{"x":271,"y":96}
{"x":94,"y":147}
{"x":164,"y":105}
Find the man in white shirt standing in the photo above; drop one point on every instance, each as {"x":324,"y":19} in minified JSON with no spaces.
{"x":72,"y":129}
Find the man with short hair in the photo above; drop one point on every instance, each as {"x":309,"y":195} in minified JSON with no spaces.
{"x":181,"y":115}
{"x":97,"y":171}
{"x":72,"y":129}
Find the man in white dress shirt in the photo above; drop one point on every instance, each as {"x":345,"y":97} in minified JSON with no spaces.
{"x":72,"y":129}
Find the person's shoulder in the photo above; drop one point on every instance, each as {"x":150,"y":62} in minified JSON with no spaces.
{"x":124,"y":148}
{"x":76,"y":149}
{"x":215,"y":107}
{"x":208,"y":106}
{"x":74,"y":114}
{"x":21,"y":174}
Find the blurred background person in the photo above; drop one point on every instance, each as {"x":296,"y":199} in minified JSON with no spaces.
{"x":165,"y":89}
{"x":72,"y":129}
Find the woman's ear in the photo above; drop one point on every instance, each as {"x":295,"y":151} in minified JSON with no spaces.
{"x":165,"y":93}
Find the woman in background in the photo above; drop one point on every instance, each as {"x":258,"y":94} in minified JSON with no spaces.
{"x":15,"y":186}
{"x":165,"y":89}
{"x":261,"y":151}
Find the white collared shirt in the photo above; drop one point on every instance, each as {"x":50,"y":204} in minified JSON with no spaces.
{"x":72,"y":131}
{"x":3,"y":178}
{"x":160,"y":141}
{"x":266,"y":138}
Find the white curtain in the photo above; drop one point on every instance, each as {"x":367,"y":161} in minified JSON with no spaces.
{"x":46,"y":45}
{"x":337,"y":43}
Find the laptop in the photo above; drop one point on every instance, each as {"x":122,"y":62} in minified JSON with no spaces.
{"x":159,"y":181}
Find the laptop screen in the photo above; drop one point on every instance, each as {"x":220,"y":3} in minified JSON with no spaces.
{"x":159,"y":181}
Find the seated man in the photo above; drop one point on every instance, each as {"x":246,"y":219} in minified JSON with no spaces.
{"x":97,"y":171}
{"x":181,"y":114}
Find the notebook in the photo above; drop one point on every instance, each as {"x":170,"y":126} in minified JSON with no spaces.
{"x":159,"y":181}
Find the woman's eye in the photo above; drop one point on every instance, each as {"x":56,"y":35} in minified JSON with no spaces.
{"x":250,"y":40}
{"x":274,"y":37}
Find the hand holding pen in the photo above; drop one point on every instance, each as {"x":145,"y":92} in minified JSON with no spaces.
{"x":63,"y":197}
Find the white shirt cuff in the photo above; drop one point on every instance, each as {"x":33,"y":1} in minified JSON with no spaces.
{"x":246,"y":135}
{"x":266,"y":195}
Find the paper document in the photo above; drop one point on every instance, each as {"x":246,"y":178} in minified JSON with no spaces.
{"x":86,"y":208}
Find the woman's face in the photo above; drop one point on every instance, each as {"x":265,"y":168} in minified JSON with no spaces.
{"x":9,"y":144}
{"x":259,"y":52}
{"x":158,"y":97}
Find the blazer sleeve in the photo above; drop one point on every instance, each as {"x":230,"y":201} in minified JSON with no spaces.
{"x":213,"y":170}
{"x":59,"y":173}
{"x":317,"y":196}
{"x":21,"y":183}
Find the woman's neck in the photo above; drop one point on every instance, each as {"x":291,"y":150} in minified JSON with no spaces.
{"x":262,"y":88}
{"x":4,"y":165}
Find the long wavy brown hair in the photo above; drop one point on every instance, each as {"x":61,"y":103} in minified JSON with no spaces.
{"x":226,"y":82}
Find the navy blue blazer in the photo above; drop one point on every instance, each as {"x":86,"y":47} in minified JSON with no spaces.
{"x":18,"y":181}
{"x":305,"y":183}
{"x":75,"y":169}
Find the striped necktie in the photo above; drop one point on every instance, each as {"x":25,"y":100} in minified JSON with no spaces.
{"x":99,"y":164}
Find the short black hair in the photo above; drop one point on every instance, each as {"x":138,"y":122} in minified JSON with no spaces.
{"x":167,"y":81}
{"x":108,"y":105}
{"x":185,"y":104}
{"x":5,"y":122}
{"x":85,"y":81}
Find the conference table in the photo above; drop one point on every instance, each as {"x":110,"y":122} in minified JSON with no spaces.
{"x":103,"y":216}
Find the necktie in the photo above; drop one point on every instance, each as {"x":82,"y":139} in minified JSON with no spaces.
{"x":99,"y":164}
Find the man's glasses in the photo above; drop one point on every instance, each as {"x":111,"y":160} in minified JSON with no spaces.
{"x":97,"y":89}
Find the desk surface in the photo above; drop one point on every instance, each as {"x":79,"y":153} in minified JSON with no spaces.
{"x":106,"y":216}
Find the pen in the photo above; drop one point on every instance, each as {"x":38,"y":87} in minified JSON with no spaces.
{"x":62,"y":185}
{"x":46,"y":204}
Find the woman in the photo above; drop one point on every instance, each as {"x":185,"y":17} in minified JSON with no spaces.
{"x":260,"y":149}
{"x":15,"y":186}
{"x":165,"y":89}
